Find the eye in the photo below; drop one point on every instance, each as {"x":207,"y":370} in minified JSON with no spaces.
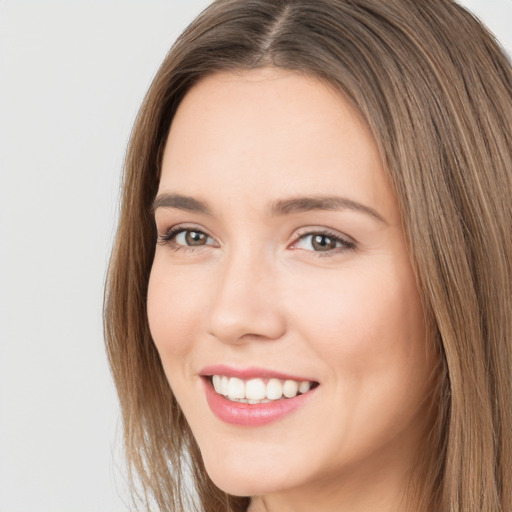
{"x":189,"y":237}
{"x":181,"y":237}
{"x":323,"y":242}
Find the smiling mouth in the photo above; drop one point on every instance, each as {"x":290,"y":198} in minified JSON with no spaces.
{"x":258,"y":390}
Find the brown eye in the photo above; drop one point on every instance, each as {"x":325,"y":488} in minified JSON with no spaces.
{"x":195,"y":238}
{"x":323,"y":243}
{"x":182,"y":237}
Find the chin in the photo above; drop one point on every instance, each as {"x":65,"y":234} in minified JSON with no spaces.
{"x":243,"y":477}
{"x":237,"y":484}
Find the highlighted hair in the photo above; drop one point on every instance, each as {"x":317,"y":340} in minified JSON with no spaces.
{"x":435,"y":89}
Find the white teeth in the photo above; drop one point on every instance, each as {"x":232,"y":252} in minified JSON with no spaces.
{"x":224,"y":385}
{"x":274,"y":389}
{"x":290,"y":388}
{"x":252,"y":402}
{"x":304,"y":386}
{"x":236,"y":388}
{"x":255,"y":391}
{"x":217,"y":385}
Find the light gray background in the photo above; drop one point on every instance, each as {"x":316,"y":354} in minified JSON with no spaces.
{"x":72,"y":75}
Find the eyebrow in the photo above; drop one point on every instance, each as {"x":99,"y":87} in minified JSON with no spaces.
{"x":304,"y":204}
{"x":277,"y":208}
{"x":180,"y":202}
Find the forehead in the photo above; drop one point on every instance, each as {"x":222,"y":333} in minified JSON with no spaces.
{"x":263,"y":133}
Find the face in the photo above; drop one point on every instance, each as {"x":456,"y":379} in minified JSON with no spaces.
{"x":282,"y":279}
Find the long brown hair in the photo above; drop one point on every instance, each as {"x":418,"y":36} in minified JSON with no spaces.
{"x":436,"y":91}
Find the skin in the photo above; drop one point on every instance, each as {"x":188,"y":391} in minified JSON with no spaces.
{"x":258,"y":292}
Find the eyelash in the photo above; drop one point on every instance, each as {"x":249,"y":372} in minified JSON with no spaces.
{"x":345,"y":243}
{"x":167,"y":239}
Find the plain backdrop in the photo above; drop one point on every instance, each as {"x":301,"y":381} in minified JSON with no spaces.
{"x":72,"y":76}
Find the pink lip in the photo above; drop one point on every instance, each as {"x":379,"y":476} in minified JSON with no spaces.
{"x":248,"y":373}
{"x":250,"y":415}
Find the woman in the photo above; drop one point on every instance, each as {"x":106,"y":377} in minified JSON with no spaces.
{"x":310,"y":296}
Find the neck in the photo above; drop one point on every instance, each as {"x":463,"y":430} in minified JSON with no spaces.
{"x":343,"y":500}
{"x":362,"y":489}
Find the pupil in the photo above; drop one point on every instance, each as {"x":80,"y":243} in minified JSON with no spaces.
{"x":195,"y":238}
{"x":323,"y":243}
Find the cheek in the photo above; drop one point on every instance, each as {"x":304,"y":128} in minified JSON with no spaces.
{"x":364,"y":322}
{"x":172,"y":307}
{"x":368,"y":329}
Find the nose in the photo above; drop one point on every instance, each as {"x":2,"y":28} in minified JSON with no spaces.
{"x":245,"y":302}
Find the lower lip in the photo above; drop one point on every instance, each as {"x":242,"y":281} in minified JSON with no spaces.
{"x":252,"y":415}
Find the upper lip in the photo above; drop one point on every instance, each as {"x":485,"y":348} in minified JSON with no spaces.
{"x":252,"y":372}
